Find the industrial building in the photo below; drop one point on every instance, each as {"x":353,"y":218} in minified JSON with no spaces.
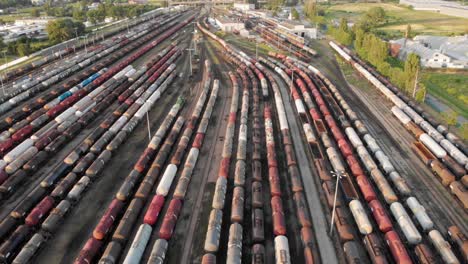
{"x":444,"y":7}
{"x":228,"y":25}
{"x":435,"y":51}
{"x":31,"y":28}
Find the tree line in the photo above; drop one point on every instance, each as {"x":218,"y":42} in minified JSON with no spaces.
{"x":80,"y":11}
{"x":14,"y":3}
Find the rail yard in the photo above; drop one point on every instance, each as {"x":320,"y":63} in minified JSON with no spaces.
{"x":133,"y":150}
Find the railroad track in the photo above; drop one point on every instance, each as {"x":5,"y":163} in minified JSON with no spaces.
{"x":35,"y":70}
{"x":109,"y":111}
{"x":448,"y":207}
{"x":93,"y":227}
{"x":396,"y":141}
{"x":195,"y":219}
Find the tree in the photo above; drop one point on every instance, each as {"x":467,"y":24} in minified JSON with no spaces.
{"x":450,"y":118}
{"x":23,"y":49}
{"x":411,"y":68}
{"x":275,"y":4}
{"x":373,"y":17}
{"x":11,"y":48}
{"x":48,"y":8}
{"x":342,"y":34}
{"x":35,"y":12}
{"x":359,"y":35}
{"x":63,"y":29}
{"x":79,"y":14}
{"x":376,"y":15}
{"x":2,"y":43}
{"x":294,"y":13}
{"x":408,"y":31}
{"x":96,"y":15}
{"x":310,"y":8}
{"x":343,"y":25}
{"x":464,"y":131}
{"x":421,"y":93}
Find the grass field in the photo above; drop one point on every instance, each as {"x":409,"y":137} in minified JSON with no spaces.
{"x":451,"y":88}
{"x":422,"y":22}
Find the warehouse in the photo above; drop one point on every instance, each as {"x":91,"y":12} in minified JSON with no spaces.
{"x":435,"y":51}
{"x":229,"y":25}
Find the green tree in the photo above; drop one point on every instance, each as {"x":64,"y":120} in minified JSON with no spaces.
{"x":92,"y":16}
{"x":2,"y":43}
{"x":342,"y":34}
{"x":464,"y":131}
{"x":23,"y":49}
{"x":35,"y":12}
{"x":310,"y":8}
{"x":343,"y":24}
{"x":421,"y":93}
{"x":376,"y":15}
{"x":359,"y":39}
{"x":372,"y":18}
{"x":294,"y":13}
{"x":275,"y":4}
{"x":408,"y":31}
{"x":96,"y":15}
{"x":63,"y":29}
{"x":79,"y":14}
{"x":11,"y":48}
{"x":450,"y":118}
{"x":411,"y":68}
{"x":48,"y":8}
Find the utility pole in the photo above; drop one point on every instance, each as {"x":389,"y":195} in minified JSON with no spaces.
{"x":148,"y":122}
{"x":4,"y":71}
{"x":85,"y":42}
{"x":338,"y":175}
{"x":190,"y":59}
{"x":416,"y":82}
{"x":291,"y":85}
{"x":256,"y":48}
{"x":76,"y":39}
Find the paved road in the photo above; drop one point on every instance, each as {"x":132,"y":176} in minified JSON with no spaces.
{"x":324,"y":243}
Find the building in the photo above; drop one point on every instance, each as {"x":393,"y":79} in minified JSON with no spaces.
{"x":228,"y":25}
{"x":450,"y":8}
{"x":33,"y":21}
{"x":38,"y":2}
{"x":12,"y":32}
{"x":435,"y":51}
{"x":138,"y":2}
{"x":244,"y":6}
{"x":298,"y":29}
{"x":28,"y":27}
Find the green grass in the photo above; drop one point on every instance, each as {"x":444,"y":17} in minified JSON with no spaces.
{"x":22,"y":63}
{"x":422,"y":22}
{"x":451,"y":88}
{"x":351,"y":76}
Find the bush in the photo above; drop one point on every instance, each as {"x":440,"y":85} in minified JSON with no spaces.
{"x":63,"y":29}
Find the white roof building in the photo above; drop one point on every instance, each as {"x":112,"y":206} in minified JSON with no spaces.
{"x":33,"y":21}
{"x":450,"y":8}
{"x":298,"y":29}
{"x":229,"y":25}
{"x":436,"y":51}
{"x":244,"y":6}
{"x":38,"y":2}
